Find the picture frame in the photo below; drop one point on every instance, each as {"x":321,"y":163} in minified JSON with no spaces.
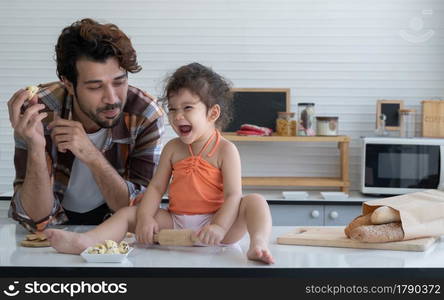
{"x":390,"y":108}
{"x":258,"y":106}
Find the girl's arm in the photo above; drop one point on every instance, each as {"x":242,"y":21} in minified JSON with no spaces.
{"x":159,"y":183}
{"x":231,"y":172}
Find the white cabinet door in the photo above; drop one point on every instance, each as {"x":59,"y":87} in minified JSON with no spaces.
{"x":297,"y":215}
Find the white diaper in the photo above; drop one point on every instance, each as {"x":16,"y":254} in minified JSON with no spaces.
{"x":194,"y":222}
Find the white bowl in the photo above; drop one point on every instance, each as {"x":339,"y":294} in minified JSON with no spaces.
{"x":104,"y":258}
{"x":334,"y":196}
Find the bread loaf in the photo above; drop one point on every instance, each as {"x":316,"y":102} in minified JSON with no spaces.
{"x":358,"y":221}
{"x":384,"y":215}
{"x":378,"y":233}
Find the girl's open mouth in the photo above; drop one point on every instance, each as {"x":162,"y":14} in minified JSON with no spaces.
{"x":184,"y":129}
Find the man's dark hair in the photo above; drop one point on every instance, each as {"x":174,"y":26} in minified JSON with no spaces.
{"x":94,"y":41}
{"x":209,"y":86}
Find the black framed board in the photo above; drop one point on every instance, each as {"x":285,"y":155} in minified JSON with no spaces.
{"x":257,"y":106}
{"x":390,"y":109}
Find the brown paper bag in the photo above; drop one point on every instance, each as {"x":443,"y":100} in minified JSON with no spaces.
{"x":422,"y":213}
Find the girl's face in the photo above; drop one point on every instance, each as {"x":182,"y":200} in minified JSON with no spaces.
{"x":189,"y":116}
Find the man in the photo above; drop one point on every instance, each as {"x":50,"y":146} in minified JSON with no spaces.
{"x":87,"y":145}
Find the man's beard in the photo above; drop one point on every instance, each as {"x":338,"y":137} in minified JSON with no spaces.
{"x":103,"y":123}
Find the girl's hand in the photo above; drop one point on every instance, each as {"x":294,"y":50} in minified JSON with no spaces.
{"x":145,"y":230}
{"x":211,"y":234}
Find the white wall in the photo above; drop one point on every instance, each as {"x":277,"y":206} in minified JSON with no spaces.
{"x":341,"y":54}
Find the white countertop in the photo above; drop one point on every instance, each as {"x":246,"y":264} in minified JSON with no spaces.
{"x":276,"y":195}
{"x":286,"y":256}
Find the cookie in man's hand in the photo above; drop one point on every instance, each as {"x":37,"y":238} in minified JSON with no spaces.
{"x":32,"y":91}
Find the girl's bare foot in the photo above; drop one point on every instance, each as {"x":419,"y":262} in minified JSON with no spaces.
{"x":259,"y":251}
{"x":68,"y":242}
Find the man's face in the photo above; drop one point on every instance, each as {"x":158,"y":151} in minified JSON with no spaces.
{"x":100,"y":93}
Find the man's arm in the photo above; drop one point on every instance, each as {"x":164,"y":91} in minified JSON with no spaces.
{"x":143,"y":160}
{"x":110,"y":183}
{"x":36,"y":195}
{"x":33,"y":189}
{"x":117,"y":191}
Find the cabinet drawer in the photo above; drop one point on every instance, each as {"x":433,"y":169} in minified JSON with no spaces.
{"x":297,"y":215}
{"x":340,"y":214}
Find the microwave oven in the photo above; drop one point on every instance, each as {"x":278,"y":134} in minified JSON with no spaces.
{"x":394,"y":166}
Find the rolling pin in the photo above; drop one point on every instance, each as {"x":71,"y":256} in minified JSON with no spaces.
{"x":175,"y":237}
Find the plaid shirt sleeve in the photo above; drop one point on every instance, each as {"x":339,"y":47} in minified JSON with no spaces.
{"x":144,"y":158}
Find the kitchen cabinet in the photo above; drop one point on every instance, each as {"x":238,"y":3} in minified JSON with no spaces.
{"x":300,"y":215}
{"x":314,"y":215}
{"x":340,"y":214}
{"x":309,"y":213}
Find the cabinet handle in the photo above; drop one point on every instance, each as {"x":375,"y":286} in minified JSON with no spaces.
{"x":334,"y":215}
{"x":314,"y":213}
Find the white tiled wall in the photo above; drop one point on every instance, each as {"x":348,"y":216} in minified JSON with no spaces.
{"x":341,"y":54}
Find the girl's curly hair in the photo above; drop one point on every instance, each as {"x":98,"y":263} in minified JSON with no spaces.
{"x":202,"y":81}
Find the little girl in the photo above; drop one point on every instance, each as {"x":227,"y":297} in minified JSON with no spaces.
{"x":205,"y":193}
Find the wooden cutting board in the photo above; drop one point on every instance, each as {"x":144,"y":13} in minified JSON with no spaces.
{"x":335,"y":237}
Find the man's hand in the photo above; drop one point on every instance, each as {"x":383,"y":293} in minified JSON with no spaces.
{"x":211,"y":234}
{"x":70,"y":135}
{"x":145,"y":230}
{"x":27,"y":119}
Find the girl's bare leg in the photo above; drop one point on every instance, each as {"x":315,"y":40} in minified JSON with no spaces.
{"x":114,"y":228}
{"x":254,"y":217}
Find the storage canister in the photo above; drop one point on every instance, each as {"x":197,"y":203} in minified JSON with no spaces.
{"x":327,"y":126}
{"x":285,"y":124}
{"x":407,"y":122}
{"x":306,"y":114}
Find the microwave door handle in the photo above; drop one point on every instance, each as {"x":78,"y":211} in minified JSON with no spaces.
{"x":441,"y":170}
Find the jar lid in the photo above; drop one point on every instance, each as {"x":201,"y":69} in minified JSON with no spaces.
{"x":404,"y":110}
{"x":285,"y":113}
{"x":306,"y":104}
{"x":326,"y":118}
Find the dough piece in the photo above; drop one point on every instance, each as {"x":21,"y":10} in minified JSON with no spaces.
{"x":123,"y":247}
{"x":93,"y":250}
{"x":109,"y":244}
{"x":378,"y":233}
{"x":98,"y":249}
{"x":358,"y":221}
{"x":32,"y":91}
{"x":113,"y":250}
{"x":384,"y":215}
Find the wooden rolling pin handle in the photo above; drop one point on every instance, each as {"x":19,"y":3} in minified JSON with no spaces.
{"x":174,"y":237}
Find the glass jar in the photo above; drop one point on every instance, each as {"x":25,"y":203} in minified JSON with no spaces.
{"x":285,"y":124}
{"x":327,"y":126}
{"x":306,"y":124}
{"x":407,"y":122}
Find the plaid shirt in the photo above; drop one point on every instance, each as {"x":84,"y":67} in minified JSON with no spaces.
{"x":132,"y":147}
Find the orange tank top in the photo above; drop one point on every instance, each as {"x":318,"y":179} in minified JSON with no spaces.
{"x":196,"y":186}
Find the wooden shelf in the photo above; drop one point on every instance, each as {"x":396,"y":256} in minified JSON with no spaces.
{"x":295,"y":181}
{"x":232,"y":136}
{"x":342,"y":182}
